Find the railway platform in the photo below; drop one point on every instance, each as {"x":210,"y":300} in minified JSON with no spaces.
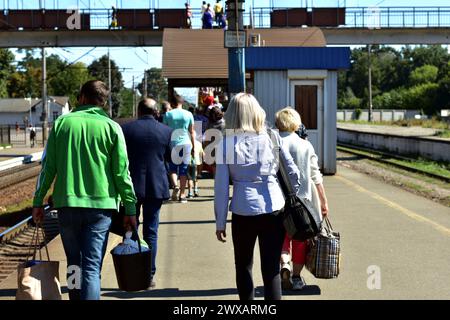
{"x":393,"y":235}
{"x":14,"y":152}
{"x":414,"y":131}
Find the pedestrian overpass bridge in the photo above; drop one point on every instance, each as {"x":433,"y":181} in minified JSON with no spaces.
{"x":144,"y":27}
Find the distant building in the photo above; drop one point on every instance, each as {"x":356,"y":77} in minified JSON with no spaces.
{"x":26,"y":111}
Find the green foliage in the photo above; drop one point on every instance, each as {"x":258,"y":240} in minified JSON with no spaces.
{"x":26,"y":80}
{"x":68,"y":80}
{"x":126,"y":108}
{"x":391,"y":100}
{"x":349,"y":100}
{"x":358,"y":113}
{"x":422,"y":97}
{"x":6,"y":68}
{"x":410,"y":78}
{"x":424,"y":74}
{"x":156,"y":84}
{"x":63,"y":79}
{"x":98,"y":69}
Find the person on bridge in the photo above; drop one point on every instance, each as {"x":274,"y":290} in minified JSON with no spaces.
{"x":148,"y":146}
{"x":208,"y":18}
{"x":204,"y":7}
{"x":245,"y":155}
{"x":114,"y":22}
{"x":218,"y":12}
{"x":188,"y":15}
{"x":288,"y":121}
{"x":86,"y":153}
{"x":183,"y":144}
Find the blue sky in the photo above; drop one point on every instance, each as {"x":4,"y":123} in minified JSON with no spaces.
{"x":135,"y":60}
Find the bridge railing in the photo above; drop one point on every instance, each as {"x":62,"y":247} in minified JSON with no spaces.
{"x":258,"y":17}
{"x":398,"y":17}
{"x":355,"y":17}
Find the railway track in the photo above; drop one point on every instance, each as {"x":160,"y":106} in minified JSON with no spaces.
{"x":15,"y":241}
{"x":18,"y":174}
{"x":387,"y":158}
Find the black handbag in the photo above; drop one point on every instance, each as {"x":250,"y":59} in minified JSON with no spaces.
{"x":297,"y":219}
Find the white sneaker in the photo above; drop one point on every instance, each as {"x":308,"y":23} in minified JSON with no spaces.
{"x":183,"y":200}
{"x":285,"y":273}
{"x":298,"y":283}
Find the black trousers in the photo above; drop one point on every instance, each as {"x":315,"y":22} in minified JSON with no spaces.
{"x":269,"y":230}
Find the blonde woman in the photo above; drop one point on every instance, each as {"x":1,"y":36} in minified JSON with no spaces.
{"x":245,"y":155}
{"x":288,"y":121}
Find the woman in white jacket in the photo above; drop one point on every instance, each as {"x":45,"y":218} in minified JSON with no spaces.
{"x":288,"y":121}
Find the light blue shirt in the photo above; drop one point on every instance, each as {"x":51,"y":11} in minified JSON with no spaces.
{"x":249,"y":161}
{"x":179,"y":120}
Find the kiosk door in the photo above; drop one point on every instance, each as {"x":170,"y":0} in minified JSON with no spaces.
{"x":306,"y":96}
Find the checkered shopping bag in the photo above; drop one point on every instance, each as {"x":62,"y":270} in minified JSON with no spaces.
{"x":324,"y":253}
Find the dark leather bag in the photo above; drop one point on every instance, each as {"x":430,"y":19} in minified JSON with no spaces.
{"x":297,"y":219}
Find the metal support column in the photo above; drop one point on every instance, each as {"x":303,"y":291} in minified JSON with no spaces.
{"x":44,"y":97}
{"x":370,"y":84}
{"x":109,"y":85}
{"x":236,"y":56}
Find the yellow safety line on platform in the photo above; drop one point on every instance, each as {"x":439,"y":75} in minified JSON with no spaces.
{"x":396,"y":206}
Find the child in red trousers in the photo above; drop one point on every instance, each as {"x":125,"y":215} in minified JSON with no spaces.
{"x":297,"y":250}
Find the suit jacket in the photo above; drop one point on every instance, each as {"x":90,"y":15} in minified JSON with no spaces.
{"x":148,"y":146}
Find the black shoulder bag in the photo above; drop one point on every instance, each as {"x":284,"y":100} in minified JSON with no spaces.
{"x":297,"y":220}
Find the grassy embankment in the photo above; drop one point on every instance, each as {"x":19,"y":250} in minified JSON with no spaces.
{"x":21,"y":208}
{"x":428,"y":166}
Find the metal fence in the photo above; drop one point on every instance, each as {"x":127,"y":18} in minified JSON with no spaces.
{"x":377,"y":114}
{"x":20,"y":135}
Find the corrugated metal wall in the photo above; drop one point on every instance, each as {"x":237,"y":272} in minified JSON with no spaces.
{"x":270,"y":88}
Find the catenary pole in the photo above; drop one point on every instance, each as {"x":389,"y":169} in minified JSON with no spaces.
{"x":236,"y":56}
{"x":109,"y":84}
{"x":44,"y":97}
{"x":370,"y":84}
{"x":145,"y":85}
{"x":134,"y":100}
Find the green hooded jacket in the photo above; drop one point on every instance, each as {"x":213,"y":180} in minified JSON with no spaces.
{"x":86,"y":152}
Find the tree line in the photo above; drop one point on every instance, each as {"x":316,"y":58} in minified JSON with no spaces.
{"x":408,"y":78}
{"x":23,"y":79}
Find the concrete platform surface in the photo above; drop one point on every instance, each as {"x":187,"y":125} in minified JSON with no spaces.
{"x":14,"y":152}
{"x":414,"y":131}
{"x":399,"y":237}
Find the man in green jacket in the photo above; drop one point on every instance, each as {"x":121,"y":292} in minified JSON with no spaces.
{"x":86,"y":152}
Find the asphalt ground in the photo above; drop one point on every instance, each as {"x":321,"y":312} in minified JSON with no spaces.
{"x":395,"y":245}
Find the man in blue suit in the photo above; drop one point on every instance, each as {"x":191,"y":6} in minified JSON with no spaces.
{"x":148,"y":146}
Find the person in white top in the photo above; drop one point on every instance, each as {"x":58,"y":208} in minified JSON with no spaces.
{"x":288,"y":121}
{"x":204,"y":7}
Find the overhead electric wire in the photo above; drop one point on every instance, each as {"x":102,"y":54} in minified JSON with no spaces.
{"x":146,"y":62}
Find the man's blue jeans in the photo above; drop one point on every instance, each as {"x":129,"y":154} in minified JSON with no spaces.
{"x":84,"y":233}
{"x":150,"y":209}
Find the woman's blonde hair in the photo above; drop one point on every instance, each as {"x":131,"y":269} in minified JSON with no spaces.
{"x":288,"y":119}
{"x":245,"y":114}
